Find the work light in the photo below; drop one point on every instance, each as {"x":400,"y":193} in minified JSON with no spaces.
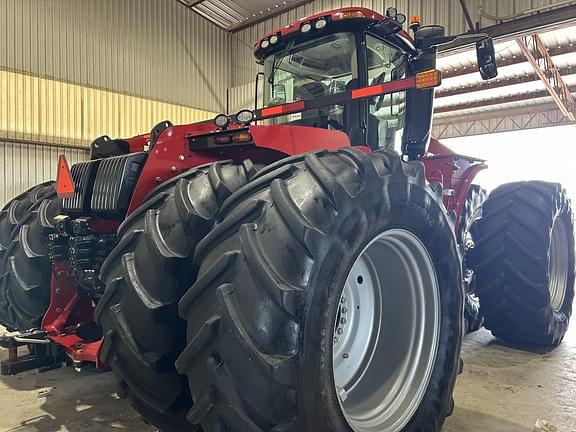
{"x":222,"y":121}
{"x":320,"y":24}
{"x":306,"y":27}
{"x":245,"y":116}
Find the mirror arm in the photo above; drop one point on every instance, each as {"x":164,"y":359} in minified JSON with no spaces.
{"x":437,"y":42}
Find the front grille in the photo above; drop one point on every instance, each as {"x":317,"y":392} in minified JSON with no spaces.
{"x":83,"y":175}
{"x":114,"y":185}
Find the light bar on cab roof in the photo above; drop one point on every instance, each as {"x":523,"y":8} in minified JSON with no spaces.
{"x":350,"y":14}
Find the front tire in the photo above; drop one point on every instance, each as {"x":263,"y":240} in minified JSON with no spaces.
{"x":261,"y":316}
{"x":524,"y":262}
{"x":26,"y":271}
{"x":145,"y":276}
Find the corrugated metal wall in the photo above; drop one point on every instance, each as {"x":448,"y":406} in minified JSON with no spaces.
{"x":25,"y":165}
{"x":45,"y":110}
{"x":156,"y":49}
{"x":242,"y":96}
{"x":444,"y":12}
{"x":72,"y":70}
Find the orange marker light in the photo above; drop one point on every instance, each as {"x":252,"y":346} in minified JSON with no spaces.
{"x":243,"y":137}
{"x":64,"y":182}
{"x":349,"y":14}
{"x":414,"y":19}
{"x":427,"y":79}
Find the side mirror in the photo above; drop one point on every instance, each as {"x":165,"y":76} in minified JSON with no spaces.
{"x":486,"y":58}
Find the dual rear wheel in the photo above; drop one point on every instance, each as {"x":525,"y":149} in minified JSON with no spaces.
{"x":327,"y":296}
{"x":322,"y":293}
{"x":329,"y":284}
{"x":524,"y":262}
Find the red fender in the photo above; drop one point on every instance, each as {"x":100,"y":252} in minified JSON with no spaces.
{"x":455,"y":172}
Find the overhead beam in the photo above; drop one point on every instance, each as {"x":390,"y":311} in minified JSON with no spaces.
{"x":509,"y":30}
{"x":496,"y":101}
{"x":535,"y":51}
{"x":263,"y":16}
{"x":504,"y":122}
{"x":495,"y":83}
{"x":509,"y":61}
{"x":462,"y":117}
{"x":191,"y":3}
{"x":467,"y":15}
{"x":266,"y":16}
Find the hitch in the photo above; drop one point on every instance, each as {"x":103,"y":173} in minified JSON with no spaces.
{"x":43,"y":355}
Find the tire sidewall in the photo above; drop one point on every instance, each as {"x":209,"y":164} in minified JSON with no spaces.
{"x":411,"y":207}
{"x":563,"y":314}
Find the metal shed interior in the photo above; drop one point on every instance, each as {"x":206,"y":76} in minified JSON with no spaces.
{"x":71,"y":70}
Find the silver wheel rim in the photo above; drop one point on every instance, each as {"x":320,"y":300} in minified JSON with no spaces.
{"x":558,"y":264}
{"x":386,"y":334}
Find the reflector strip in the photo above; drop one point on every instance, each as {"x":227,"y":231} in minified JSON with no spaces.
{"x":283,"y":109}
{"x":390,"y":87}
{"x":64,"y":182}
{"x":431,"y":78}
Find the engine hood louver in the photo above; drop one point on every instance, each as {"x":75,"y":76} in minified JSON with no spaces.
{"x":104,"y":187}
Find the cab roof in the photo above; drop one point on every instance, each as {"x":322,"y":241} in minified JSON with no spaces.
{"x":334,"y":14}
{"x":353,"y":16}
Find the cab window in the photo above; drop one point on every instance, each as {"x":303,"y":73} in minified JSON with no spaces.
{"x":386,"y":113}
{"x":309,"y":70}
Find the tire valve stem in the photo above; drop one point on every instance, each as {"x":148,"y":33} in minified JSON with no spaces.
{"x":342,"y":393}
{"x":346,"y":355}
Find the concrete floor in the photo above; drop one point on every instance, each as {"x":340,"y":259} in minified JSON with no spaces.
{"x":501,"y":390}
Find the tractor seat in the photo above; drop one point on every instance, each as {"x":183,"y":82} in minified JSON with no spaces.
{"x":308,"y":90}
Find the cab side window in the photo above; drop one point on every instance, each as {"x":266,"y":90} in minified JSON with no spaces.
{"x":386,"y":112}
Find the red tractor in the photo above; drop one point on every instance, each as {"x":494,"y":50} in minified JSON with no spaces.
{"x":305,"y":266}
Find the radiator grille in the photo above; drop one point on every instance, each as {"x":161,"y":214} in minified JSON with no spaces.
{"x":114,"y":185}
{"x":83,"y":175}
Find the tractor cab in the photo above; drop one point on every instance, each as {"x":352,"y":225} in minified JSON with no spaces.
{"x":331,"y":54}
{"x":348,"y":68}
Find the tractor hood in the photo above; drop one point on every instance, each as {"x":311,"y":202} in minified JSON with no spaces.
{"x":287,"y":139}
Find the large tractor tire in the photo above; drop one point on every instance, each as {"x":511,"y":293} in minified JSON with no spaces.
{"x":16,"y":210}
{"x":146,"y":275}
{"x":471,"y":212}
{"x":25,"y":268}
{"x":524,"y":262}
{"x":328,"y":299}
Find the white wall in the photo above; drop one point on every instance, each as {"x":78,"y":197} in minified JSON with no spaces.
{"x":537,"y":154}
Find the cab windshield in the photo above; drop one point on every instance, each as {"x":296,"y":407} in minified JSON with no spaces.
{"x":329,"y":65}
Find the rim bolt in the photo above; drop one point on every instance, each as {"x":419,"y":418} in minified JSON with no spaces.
{"x":344,"y":310}
{"x":340,"y":331}
{"x":346,"y":355}
{"x":343,"y":320}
